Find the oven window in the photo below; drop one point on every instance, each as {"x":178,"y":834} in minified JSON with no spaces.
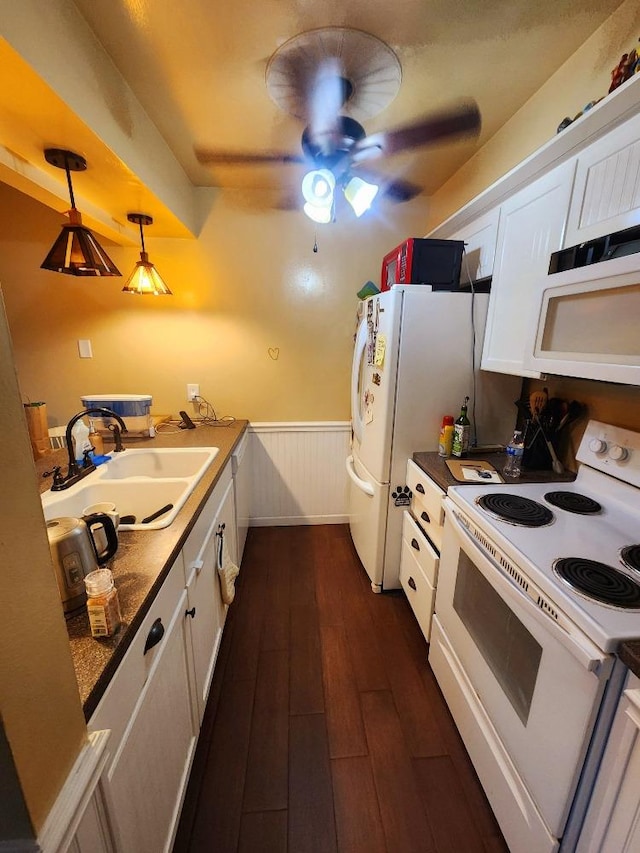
{"x":510,"y":651}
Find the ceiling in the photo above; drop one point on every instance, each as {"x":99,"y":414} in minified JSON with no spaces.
{"x":198,"y":70}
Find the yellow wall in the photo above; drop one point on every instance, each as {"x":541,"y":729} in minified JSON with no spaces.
{"x":39,"y":703}
{"x":248,"y":289}
{"x":585,"y":77}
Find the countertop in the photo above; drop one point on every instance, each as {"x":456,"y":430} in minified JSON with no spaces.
{"x":435,"y":466}
{"x":143,"y":558}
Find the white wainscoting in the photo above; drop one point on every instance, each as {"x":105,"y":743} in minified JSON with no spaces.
{"x":298,"y":473}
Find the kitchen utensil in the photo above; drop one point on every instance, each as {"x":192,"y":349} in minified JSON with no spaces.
{"x":156,"y":514}
{"x":574,"y":411}
{"x":537,"y":402}
{"x":556,"y":464}
{"x":74,"y":551}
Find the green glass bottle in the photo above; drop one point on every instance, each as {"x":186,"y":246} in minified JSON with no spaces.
{"x":461,"y":431}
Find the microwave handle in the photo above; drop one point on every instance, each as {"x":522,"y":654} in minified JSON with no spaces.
{"x":586,"y":652}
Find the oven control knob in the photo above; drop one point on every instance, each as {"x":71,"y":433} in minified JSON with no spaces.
{"x":618,"y":453}
{"x":597,"y":445}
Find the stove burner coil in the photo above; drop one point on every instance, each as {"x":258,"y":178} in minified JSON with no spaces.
{"x":630,"y":556}
{"x":573,"y":502}
{"x":516,"y":509}
{"x":599,"y":582}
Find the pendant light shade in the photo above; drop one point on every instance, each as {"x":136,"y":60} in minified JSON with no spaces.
{"x":76,"y":251}
{"x":145,"y":280}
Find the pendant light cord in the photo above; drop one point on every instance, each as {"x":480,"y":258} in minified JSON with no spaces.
{"x":69,"y":184}
{"x":141,"y":236}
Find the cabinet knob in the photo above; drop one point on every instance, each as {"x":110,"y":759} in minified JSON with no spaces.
{"x":425,"y":517}
{"x":414,"y":544}
{"x":154,"y":636}
{"x":191,"y":612}
{"x":412,"y":583}
{"x":420,"y":488}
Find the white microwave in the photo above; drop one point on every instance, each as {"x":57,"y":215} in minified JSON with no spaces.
{"x":588,"y":317}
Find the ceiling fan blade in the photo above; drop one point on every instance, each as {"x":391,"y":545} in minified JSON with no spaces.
{"x":209,"y":157}
{"x":463,"y":119}
{"x":399,"y":191}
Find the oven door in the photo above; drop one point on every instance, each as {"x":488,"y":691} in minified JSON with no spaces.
{"x":536,"y":687}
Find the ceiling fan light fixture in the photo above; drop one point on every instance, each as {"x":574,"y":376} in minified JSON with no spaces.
{"x":76,"y":251}
{"x":360,"y":194}
{"x":320,"y":214}
{"x":145,"y":280}
{"x":318,"y":186}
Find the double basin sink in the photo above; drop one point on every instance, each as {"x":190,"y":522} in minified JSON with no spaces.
{"x":140,"y":483}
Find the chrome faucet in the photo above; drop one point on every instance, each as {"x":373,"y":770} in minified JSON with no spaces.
{"x":74,"y":472}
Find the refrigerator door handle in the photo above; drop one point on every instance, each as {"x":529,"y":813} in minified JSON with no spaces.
{"x":358,"y":356}
{"x":363,"y":485}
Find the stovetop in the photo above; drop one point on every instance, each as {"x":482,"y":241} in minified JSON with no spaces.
{"x":598,"y":537}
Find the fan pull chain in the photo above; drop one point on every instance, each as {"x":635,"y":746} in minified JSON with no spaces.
{"x":315,"y":243}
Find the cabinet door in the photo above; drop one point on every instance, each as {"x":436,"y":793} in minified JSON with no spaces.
{"x":612,"y":824}
{"x":149,"y":774}
{"x":606,"y":197}
{"x":532,"y":224}
{"x":206,"y":610}
{"x":480,"y":237}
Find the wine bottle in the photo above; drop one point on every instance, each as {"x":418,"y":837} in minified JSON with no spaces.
{"x":461,"y":431}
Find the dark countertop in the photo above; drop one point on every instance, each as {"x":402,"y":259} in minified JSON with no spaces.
{"x":143,"y":558}
{"x":435,"y":466}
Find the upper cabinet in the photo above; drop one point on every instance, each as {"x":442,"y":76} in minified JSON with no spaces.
{"x":606,"y":197}
{"x":479,"y":238}
{"x":531,"y":226}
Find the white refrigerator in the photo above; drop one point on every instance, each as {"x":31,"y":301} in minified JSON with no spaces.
{"x":412,"y":364}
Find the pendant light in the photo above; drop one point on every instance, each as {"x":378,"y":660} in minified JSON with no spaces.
{"x":76,"y":251}
{"x":145,"y":279}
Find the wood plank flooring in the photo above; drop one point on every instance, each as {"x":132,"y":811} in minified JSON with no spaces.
{"x":325,"y":730}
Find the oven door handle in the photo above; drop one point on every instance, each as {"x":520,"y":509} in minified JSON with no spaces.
{"x":532,"y":599}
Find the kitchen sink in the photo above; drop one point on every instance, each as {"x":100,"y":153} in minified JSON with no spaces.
{"x":139,"y":483}
{"x":161,"y":463}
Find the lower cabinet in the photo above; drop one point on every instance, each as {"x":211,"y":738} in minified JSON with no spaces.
{"x":154,"y":704}
{"x":612,"y":824}
{"x":421,"y":541}
{"x":149,"y":773}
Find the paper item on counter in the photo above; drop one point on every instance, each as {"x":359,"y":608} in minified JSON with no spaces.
{"x":473,"y":471}
{"x":480,"y":475}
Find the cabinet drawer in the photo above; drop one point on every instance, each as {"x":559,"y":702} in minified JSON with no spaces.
{"x":420,"y":594}
{"x":119,"y":700}
{"x":426,"y":502}
{"x":419,"y":546}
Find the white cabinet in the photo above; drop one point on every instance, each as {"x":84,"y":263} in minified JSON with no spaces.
{"x":148,"y":709}
{"x":480,"y":237}
{"x":612,"y":824}
{"x":241,"y":464}
{"x":154,"y":703}
{"x":531,"y":227}
{"x":421,"y":540}
{"x":606,"y":196}
{"x":205,"y":608}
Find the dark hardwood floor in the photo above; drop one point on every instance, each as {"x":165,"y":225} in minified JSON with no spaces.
{"x":325,"y":729}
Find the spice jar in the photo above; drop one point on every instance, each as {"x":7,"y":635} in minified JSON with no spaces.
{"x":445,"y":441}
{"x":103,"y":605}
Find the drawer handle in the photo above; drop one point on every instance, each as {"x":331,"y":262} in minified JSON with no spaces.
{"x":191,"y":612}
{"x":412,"y":584}
{"x":420,"y":488}
{"x":425,"y":517}
{"x":154,"y":636}
{"x":414,"y":544}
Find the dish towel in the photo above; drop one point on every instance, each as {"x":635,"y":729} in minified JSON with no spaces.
{"x":227,"y":569}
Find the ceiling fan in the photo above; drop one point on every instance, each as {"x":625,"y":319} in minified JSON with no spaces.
{"x":335,"y":146}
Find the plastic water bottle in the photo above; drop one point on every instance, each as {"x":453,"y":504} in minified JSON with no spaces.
{"x":515,"y":450}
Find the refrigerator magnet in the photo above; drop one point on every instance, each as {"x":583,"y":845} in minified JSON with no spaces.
{"x":381,"y":348}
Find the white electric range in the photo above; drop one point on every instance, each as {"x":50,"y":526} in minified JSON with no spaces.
{"x":538,"y":584}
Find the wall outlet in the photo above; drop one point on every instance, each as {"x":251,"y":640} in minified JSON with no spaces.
{"x":193,"y":391}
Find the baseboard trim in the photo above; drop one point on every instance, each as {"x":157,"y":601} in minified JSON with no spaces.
{"x":295,"y":521}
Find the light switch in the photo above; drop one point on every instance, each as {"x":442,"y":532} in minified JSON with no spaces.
{"x":84,"y":349}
